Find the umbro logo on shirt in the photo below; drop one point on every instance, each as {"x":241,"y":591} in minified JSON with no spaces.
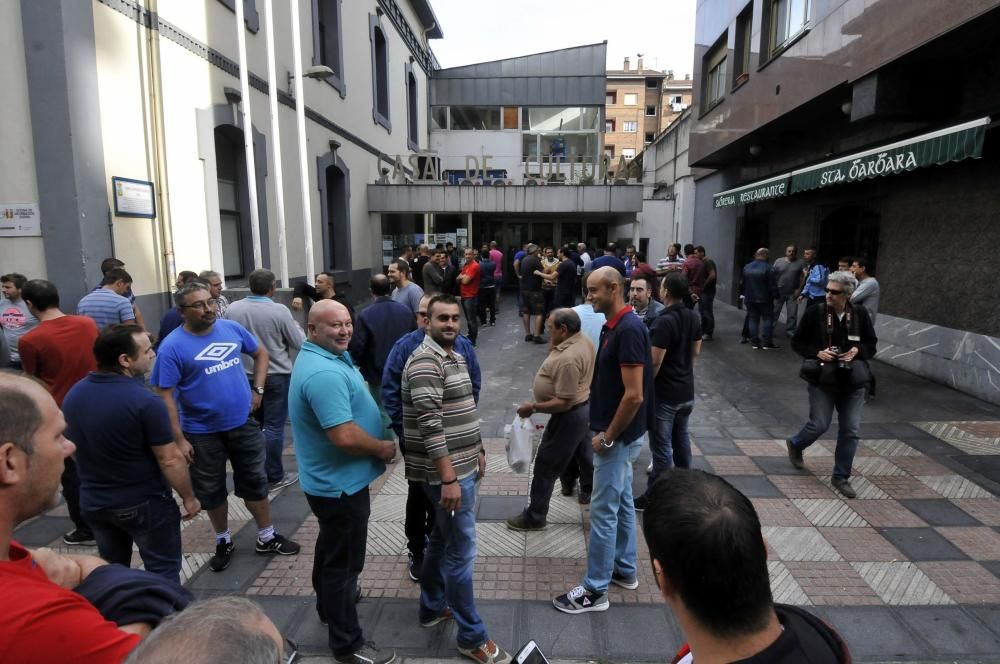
{"x":216,"y":351}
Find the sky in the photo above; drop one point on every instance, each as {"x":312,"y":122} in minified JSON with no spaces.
{"x":662,"y":30}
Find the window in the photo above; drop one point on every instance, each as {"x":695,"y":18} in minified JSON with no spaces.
{"x":335,"y":197}
{"x":676,"y":99}
{"x":609,"y":150}
{"x":741,"y":54}
{"x":651,"y":83}
{"x":609,"y":98}
{"x":510,"y":117}
{"x":785,"y":20}
{"x":439,"y":117}
{"x":250,"y":17}
{"x":328,"y":49}
{"x":380,"y":72}
{"x":609,"y":125}
{"x":628,"y":153}
{"x":231,"y":177}
{"x":412,"y":138}
{"x":715,"y":80}
{"x":650,"y":111}
{"x":649,"y":138}
{"x":475,"y":117}
{"x":631,"y":98}
{"x":630,"y":126}
{"x":556,"y":118}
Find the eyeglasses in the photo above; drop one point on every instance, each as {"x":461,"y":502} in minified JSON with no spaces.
{"x":204,"y":305}
{"x":834,"y":292}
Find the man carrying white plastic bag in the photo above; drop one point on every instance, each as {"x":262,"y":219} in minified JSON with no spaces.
{"x":519,"y":446}
{"x":562,"y":388}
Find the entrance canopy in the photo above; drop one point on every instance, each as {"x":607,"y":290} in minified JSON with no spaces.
{"x":955,"y":143}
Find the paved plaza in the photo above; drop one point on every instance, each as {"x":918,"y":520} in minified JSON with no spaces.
{"x":909,"y":571}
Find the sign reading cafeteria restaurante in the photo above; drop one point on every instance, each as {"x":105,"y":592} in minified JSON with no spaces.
{"x":760,"y":191}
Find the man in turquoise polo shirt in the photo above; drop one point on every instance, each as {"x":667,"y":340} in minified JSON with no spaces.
{"x":336,"y":424}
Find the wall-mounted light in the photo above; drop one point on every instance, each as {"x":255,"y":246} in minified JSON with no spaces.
{"x":233,"y":95}
{"x":755,"y":150}
{"x":846,"y":107}
{"x":318,"y":72}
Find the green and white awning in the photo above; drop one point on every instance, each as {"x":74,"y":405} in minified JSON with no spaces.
{"x":964,"y":141}
{"x":956,"y":143}
{"x":758,"y":191}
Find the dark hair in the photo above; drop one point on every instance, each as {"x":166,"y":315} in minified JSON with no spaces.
{"x":115,"y":275}
{"x":701,"y":249}
{"x":437,"y":251}
{"x":863,"y":262}
{"x":20,"y":415}
{"x":440,"y":298}
{"x":646,"y":271}
{"x":677,"y":285}
{"x":114,"y":341}
{"x":110,"y":264}
{"x":677,"y":246}
{"x":401,"y":265}
{"x":640,"y":256}
{"x":449,"y":244}
{"x":379,"y":285}
{"x":484,"y":254}
{"x":810,"y":248}
{"x":18,"y":279}
{"x":180,"y":297}
{"x":688,"y":249}
{"x":706,"y":536}
{"x":41,"y":293}
{"x":846,"y":259}
{"x":261,"y":282}
{"x":566,"y":318}
{"x":186,"y":275}
{"x":612,"y":247}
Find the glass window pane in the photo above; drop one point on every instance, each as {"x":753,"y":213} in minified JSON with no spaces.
{"x":631,"y":98}
{"x":529,"y":147}
{"x":439,"y":117}
{"x":227,"y":195}
{"x":555,"y":118}
{"x":475,"y":117}
{"x":232,"y":250}
{"x":510,"y":117}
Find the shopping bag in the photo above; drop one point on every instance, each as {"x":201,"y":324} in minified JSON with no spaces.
{"x":519,"y":448}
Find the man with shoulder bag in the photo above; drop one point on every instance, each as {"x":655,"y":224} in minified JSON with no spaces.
{"x":836,"y":340}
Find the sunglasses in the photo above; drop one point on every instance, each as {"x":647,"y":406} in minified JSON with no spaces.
{"x":834,"y":292}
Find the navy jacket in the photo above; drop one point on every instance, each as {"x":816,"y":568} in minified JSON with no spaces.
{"x":759,"y":282}
{"x":376,"y":329}
{"x":486,"y":270}
{"x":392,"y":375}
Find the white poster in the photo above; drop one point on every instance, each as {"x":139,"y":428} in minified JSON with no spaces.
{"x":20,"y":220}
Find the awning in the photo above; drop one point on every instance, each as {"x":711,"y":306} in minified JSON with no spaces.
{"x":758,"y":191}
{"x":956,"y":143}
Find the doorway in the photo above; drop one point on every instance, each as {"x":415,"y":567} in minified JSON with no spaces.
{"x":849,"y":231}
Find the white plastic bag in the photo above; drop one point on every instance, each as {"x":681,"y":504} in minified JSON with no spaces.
{"x":519,"y":449}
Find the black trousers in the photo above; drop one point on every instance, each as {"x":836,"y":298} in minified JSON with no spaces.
{"x":70,"y":481}
{"x":488,"y":300}
{"x":340,"y":559}
{"x":419,"y":514}
{"x":565,"y":443}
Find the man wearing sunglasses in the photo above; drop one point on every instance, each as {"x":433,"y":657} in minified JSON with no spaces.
{"x":842,"y":338}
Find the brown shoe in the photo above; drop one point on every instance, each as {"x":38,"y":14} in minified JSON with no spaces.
{"x":795,"y":456}
{"x":488,"y":653}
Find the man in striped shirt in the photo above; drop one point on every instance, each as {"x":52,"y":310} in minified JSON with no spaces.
{"x":108,"y":305}
{"x":444,"y":451}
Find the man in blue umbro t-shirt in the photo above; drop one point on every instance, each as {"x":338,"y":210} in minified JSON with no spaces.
{"x":199,"y":376}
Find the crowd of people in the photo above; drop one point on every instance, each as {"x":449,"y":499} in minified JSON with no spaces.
{"x":226,"y":377}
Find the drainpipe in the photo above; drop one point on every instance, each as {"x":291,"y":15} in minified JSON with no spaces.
{"x":241,"y":41}
{"x":272,"y":97}
{"x":166,"y":229}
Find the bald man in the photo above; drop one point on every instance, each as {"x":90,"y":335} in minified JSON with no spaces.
{"x":337,"y":429}
{"x":622,"y":378}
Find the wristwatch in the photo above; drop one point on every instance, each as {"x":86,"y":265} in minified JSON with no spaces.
{"x":607,"y":443}
{"x":258,"y":389}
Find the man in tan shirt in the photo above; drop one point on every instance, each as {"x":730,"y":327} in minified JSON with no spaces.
{"x":562,"y":388}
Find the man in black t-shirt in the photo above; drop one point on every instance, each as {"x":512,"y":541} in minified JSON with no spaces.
{"x":618,"y":396}
{"x":532,"y":275}
{"x":565,"y":280}
{"x":676,"y":341}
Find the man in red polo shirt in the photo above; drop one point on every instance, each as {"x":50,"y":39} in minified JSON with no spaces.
{"x":468,"y":288}
{"x":60,"y":351}
{"x":44,"y":620}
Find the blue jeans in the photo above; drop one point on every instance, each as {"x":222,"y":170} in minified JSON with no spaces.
{"x":761,"y":322}
{"x":612,"y":517}
{"x":273,"y":414}
{"x":448,"y":563}
{"x":154,"y":526}
{"x":849,"y":405}
{"x":671,"y":442}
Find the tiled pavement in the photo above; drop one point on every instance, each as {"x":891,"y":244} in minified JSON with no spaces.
{"x":908,"y":571}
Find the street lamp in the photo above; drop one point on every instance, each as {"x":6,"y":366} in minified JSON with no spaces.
{"x":318,"y":72}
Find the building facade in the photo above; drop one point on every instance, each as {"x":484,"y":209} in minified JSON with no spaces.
{"x":814,"y":124}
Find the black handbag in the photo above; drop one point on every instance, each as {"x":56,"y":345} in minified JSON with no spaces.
{"x":815,"y":372}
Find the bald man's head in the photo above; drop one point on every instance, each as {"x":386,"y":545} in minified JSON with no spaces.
{"x":422,"y":312}
{"x":605,"y":291}
{"x":330,"y":326}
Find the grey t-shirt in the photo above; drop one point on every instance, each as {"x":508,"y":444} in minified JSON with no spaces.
{"x":16,"y":321}
{"x":410,"y":296}
{"x":789,"y":273}
{"x":274,"y":327}
{"x":867,"y":295}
